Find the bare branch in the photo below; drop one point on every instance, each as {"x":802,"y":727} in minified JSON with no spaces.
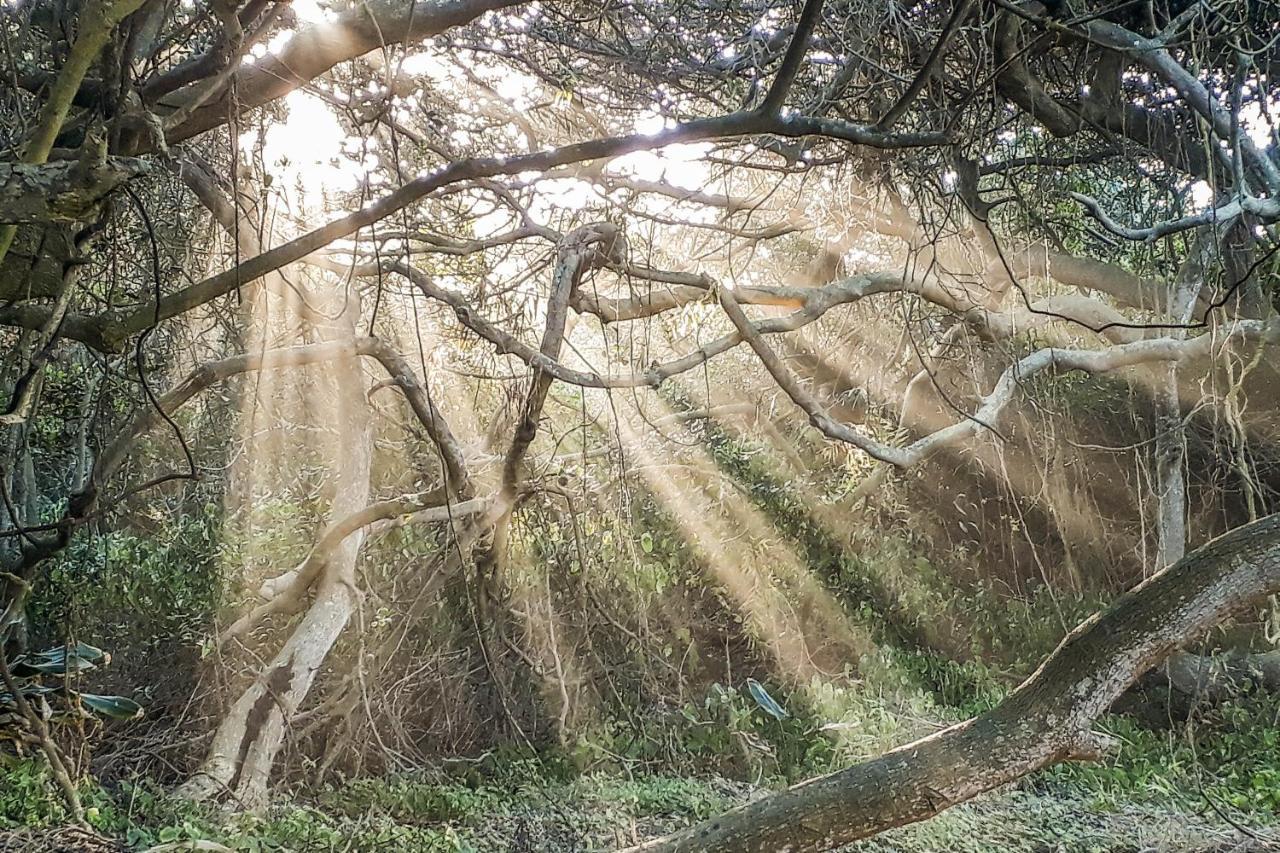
{"x":791,"y":60}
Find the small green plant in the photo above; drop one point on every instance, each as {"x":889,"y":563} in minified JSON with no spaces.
{"x":28,"y":797}
{"x":409,"y":800}
{"x":1226,"y":756}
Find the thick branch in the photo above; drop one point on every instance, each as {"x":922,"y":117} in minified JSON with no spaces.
{"x":1047,"y":720}
{"x":1154,"y":56}
{"x":61,"y":191}
{"x":318,"y":47}
{"x":110,"y":331}
{"x":794,"y":56}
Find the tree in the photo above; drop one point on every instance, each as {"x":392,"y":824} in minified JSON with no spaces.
{"x":1049,"y":189}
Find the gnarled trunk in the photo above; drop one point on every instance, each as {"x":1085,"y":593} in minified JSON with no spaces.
{"x":252,"y":733}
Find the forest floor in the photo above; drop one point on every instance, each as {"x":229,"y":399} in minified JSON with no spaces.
{"x":1209,"y":783}
{"x":601,"y":811}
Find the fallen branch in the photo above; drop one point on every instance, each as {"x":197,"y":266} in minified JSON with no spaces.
{"x":1047,"y":720}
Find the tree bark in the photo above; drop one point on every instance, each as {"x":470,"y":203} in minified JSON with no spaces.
{"x":1216,"y":678}
{"x":1047,"y":720}
{"x":1170,"y":435}
{"x":62,"y":191}
{"x":252,"y":733}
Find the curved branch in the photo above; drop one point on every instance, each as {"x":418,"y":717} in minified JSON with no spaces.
{"x":580,"y":251}
{"x":424,"y":408}
{"x":1047,"y":720}
{"x":109,"y":331}
{"x":1153,"y":55}
{"x":1267,"y":210}
{"x":284,"y":592}
{"x":1048,"y":360}
{"x":800,"y":396}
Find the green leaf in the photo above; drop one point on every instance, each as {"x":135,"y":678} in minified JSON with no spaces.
{"x":116,"y":707}
{"x":646,"y":542}
{"x":30,"y":690}
{"x":764,"y":700}
{"x":26,"y":667}
{"x":60,"y":660}
{"x":83,"y":651}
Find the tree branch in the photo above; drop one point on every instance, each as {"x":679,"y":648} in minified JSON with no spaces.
{"x":63,"y":190}
{"x":1047,"y":720}
{"x":799,"y":46}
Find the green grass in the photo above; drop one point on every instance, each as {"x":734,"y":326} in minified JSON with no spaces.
{"x":1176,"y":789}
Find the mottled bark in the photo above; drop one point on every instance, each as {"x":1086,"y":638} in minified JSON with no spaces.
{"x":61,"y":191}
{"x":34,"y":266}
{"x":94,"y":26}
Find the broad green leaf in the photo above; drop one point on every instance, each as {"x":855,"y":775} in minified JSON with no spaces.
{"x":116,"y":707}
{"x":57,"y":661}
{"x":83,"y":651}
{"x":30,"y":690}
{"x":37,"y":665}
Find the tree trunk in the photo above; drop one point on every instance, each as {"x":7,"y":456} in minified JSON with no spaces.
{"x":1170,"y":438}
{"x":1046,"y":720}
{"x":253,"y":731}
{"x":1171,"y":482}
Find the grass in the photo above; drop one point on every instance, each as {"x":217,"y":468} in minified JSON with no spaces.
{"x":1178,"y":789}
{"x":602,"y":811}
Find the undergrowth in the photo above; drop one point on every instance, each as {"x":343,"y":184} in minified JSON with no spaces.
{"x":942,"y":650}
{"x":1222,"y":764}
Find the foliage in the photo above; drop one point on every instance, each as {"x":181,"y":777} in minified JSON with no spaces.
{"x":1146,"y":795}
{"x":45,"y":679}
{"x":1225,"y":756}
{"x":136,"y":591}
{"x":28,"y":797}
